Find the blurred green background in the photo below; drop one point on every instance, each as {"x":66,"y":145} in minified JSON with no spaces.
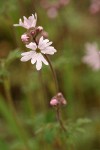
{"x":70,"y":26}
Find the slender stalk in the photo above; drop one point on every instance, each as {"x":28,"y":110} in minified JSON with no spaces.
{"x":22,"y":133}
{"x":58,"y":113}
{"x":53,"y":73}
{"x":60,"y":118}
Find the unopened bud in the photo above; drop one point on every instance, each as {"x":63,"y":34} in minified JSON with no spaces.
{"x":54,"y":102}
{"x":25,"y":38}
{"x":44,"y":34}
{"x":58,"y":100}
{"x":39,"y":28}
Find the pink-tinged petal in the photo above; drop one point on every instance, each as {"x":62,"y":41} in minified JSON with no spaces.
{"x":49,"y":50}
{"x":45,"y":45}
{"x":43,"y":59}
{"x":40,"y":41}
{"x":20,"y":23}
{"x":32,"y":46}
{"x":25,"y":58}
{"x":27,"y":53}
{"x":28,"y":23}
{"x":33,"y":20}
{"x":34,"y":58}
{"x":38,"y":64}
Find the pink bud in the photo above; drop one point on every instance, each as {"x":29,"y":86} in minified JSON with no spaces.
{"x":24,"y":38}
{"x":32,"y":32}
{"x":39,"y":28}
{"x":53,"y":102}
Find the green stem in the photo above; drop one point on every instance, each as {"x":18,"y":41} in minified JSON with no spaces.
{"x":58,"y":113}
{"x":22,"y":133}
{"x":53,"y":73}
{"x":60,"y":118}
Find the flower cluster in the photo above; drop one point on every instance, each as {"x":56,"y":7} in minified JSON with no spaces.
{"x":92,"y":57}
{"x":58,"y":100}
{"x":34,"y":40}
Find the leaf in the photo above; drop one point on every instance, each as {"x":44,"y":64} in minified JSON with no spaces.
{"x":83,"y":121}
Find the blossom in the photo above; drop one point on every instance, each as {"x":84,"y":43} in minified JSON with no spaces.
{"x":37,"y":52}
{"x":28,"y":23}
{"x":92,"y":57}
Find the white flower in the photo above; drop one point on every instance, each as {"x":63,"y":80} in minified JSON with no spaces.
{"x":28,"y":23}
{"x":36,"y":52}
{"x":92,"y":57}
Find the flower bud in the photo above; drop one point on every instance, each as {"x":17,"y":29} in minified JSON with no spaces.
{"x":58,"y":100}
{"x":25,"y":38}
{"x":54,"y":102}
{"x":39,"y":29}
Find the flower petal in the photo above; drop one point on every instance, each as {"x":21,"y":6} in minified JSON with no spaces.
{"x":26,"y":58}
{"x":33,"y":20}
{"x":26,"y":53}
{"x":34,"y":58}
{"x":32,"y":46}
{"x":49,"y":50}
{"x":41,"y":40}
{"x":43,"y":59}
{"x":38,"y":64}
{"x":28,"y":23}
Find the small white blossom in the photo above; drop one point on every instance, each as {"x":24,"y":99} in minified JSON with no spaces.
{"x":92,"y":57}
{"x":28,"y":23}
{"x":44,"y":47}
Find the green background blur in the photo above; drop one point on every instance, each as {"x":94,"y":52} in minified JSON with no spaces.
{"x":32,"y":91}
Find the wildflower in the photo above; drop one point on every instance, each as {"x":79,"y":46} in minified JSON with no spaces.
{"x":28,"y":23}
{"x":37,"y":52}
{"x":92,"y":57}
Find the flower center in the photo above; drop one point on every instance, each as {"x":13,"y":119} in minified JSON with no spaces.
{"x":38,"y":50}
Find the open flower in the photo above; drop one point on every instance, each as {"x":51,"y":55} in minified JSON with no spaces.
{"x":37,"y":51}
{"x":28,"y":23}
{"x":92,"y":57}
